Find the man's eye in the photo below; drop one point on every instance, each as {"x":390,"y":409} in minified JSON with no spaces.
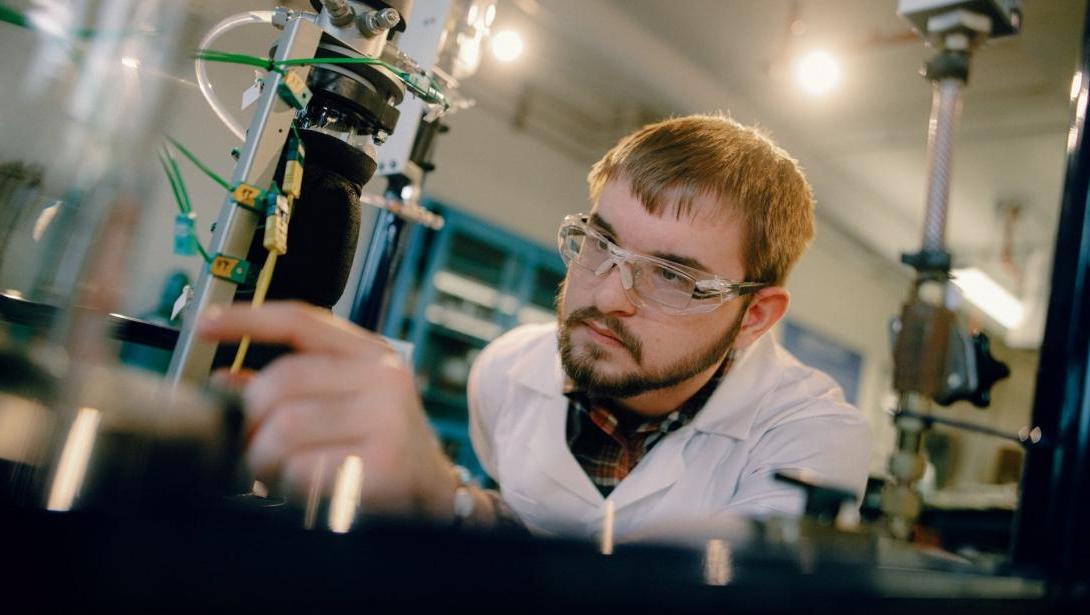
{"x":602,"y":245}
{"x":667,"y":274}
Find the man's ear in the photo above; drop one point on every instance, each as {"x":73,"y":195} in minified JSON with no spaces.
{"x":766,"y":308}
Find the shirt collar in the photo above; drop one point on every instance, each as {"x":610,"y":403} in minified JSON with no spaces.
{"x":729,"y":411}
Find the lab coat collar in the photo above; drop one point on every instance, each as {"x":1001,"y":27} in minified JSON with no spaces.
{"x":549,"y":445}
{"x":539,"y":368}
{"x":731,"y":409}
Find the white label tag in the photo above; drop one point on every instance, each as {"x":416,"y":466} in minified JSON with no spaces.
{"x":253,"y":92}
{"x":182,"y":301}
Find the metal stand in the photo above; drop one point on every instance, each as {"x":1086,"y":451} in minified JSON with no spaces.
{"x":235,"y":227}
{"x":934,"y":359}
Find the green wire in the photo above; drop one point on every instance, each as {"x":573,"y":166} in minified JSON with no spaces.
{"x":308,"y":61}
{"x":211,"y":55}
{"x":181,"y":179}
{"x":10,"y":15}
{"x":14,"y":17}
{"x":432,"y":93}
{"x":177,"y":185}
{"x":173,"y":184}
{"x":200,"y":165}
{"x":200,"y":248}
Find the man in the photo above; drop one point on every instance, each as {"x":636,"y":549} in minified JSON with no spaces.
{"x":657,"y":395}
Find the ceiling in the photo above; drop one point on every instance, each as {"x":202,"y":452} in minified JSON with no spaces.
{"x":594,"y":69}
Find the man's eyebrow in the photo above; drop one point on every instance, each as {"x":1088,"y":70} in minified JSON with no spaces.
{"x":686,"y":261}
{"x":681,"y":260}
{"x":598,"y":221}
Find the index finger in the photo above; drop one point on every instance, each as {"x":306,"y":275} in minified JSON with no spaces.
{"x":303,"y":327}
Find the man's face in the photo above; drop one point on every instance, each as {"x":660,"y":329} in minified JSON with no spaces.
{"x":612,"y":348}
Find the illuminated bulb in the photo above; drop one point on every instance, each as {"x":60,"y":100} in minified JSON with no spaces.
{"x":817,"y":72}
{"x":130,"y":62}
{"x":507,"y":46}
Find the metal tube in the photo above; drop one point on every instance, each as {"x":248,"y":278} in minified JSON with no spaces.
{"x":380,"y":266}
{"x":945,"y":109}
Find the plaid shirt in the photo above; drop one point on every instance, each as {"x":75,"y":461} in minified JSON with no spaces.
{"x":608,"y":441}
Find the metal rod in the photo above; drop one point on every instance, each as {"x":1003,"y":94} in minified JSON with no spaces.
{"x":945,"y":109}
{"x":380,"y":265}
{"x":973,"y":427}
{"x":235,"y":227}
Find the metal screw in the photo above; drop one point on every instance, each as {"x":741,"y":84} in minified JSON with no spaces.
{"x":281,"y":17}
{"x":377,"y":22}
{"x":380,"y":137}
{"x":340,"y":13}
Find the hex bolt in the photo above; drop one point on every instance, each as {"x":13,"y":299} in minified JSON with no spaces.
{"x":340,"y":13}
{"x":374,"y":23}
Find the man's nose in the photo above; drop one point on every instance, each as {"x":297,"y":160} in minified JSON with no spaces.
{"x":610,"y":296}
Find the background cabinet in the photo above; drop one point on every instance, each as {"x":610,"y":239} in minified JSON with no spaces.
{"x":458,"y":289}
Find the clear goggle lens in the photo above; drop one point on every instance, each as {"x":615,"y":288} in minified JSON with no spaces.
{"x":646,"y":280}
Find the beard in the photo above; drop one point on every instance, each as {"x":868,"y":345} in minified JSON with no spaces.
{"x":581,"y":365}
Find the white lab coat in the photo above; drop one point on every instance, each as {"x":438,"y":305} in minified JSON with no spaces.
{"x":769,"y":413}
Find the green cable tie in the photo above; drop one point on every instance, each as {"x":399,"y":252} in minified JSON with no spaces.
{"x":204,"y":253}
{"x":200,"y":165}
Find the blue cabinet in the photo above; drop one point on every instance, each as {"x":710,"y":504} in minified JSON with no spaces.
{"x":458,"y":289}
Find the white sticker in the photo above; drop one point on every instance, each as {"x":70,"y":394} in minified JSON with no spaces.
{"x":182,"y":301}
{"x":253,"y":92}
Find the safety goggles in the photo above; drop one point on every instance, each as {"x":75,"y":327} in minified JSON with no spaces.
{"x":648,"y":281}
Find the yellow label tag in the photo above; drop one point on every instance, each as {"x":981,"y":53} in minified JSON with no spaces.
{"x":293,"y":81}
{"x":293,"y":178}
{"x":276,"y":226}
{"x":246,"y":194}
{"x":224,"y":266}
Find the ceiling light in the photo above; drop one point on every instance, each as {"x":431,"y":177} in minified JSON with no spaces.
{"x":989,"y":297}
{"x":507,"y":46}
{"x":817,"y":72}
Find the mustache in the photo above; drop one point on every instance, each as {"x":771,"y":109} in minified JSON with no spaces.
{"x":616,"y":328}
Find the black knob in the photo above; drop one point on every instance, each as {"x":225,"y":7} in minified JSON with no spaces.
{"x":989,"y":370}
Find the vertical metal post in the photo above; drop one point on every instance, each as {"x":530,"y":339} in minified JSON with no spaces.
{"x":945,"y":109}
{"x":1052,"y":528}
{"x":235,"y":227}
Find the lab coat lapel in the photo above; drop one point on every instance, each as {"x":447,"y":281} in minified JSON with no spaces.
{"x":735,"y":404}
{"x":730,"y":411}
{"x":661,"y":468}
{"x":542,"y":372}
{"x":550,"y":448}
